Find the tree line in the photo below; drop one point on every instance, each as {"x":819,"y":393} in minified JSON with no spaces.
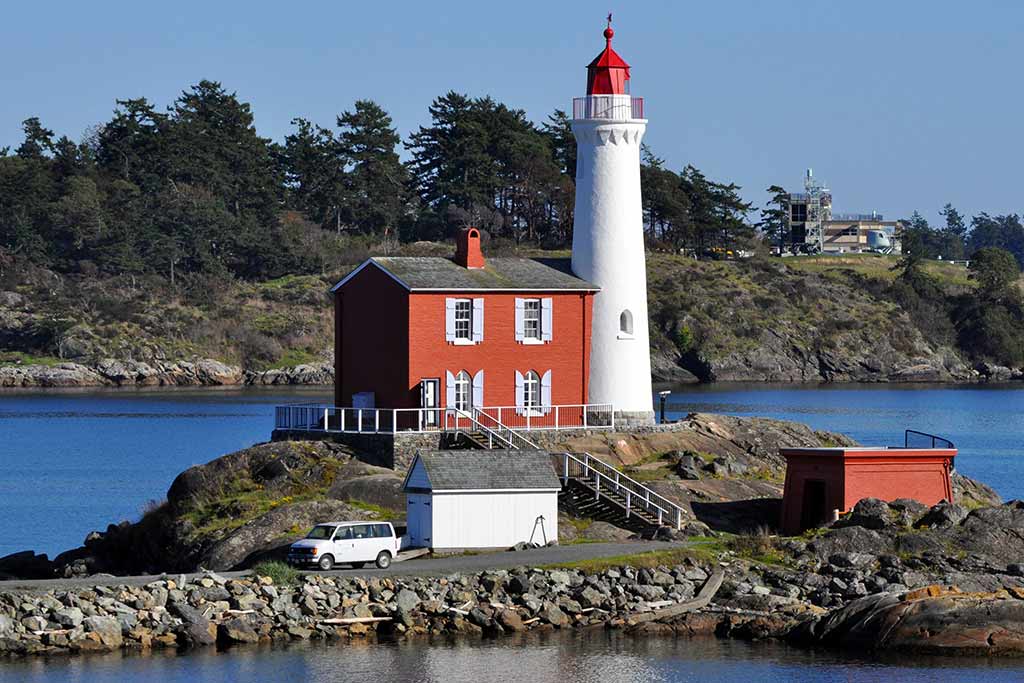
{"x":193,"y":188}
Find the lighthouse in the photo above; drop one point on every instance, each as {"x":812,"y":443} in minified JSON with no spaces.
{"x":608,"y":236}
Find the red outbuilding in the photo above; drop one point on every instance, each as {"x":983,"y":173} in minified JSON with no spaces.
{"x":467,"y":332}
{"x":820,"y":481}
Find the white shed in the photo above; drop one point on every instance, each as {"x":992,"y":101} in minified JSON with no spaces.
{"x":481,"y":499}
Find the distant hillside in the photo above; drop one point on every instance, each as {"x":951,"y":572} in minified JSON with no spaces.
{"x":799,"y":319}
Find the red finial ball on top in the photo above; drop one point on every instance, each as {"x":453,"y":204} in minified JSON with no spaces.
{"x":608,"y":32}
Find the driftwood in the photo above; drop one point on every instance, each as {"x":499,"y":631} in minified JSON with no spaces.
{"x":354,"y":620}
{"x":702,"y":600}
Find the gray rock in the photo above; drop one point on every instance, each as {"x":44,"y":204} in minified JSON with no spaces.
{"x":107,"y":628}
{"x":7,"y":625}
{"x":407,"y":600}
{"x":870,"y":513}
{"x":851,"y":560}
{"x":69,"y":617}
{"x":942,"y":515}
{"x":236,"y":630}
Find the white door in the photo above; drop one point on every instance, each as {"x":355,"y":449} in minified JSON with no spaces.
{"x":364,"y":545}
{"x":419,"y":515}
{"x":342,"y":545}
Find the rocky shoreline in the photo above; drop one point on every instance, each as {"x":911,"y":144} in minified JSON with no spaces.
{"x":210,"y":610}
{"x":128,"y":373}
{"x":210,"y":372}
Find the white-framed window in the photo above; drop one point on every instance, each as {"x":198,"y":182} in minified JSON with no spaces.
{"x":463,"y":391}
{"x":534,"y":320}
{"x":531,"y":319}
{"x":464,"y":319}
{"x":531,"y":392}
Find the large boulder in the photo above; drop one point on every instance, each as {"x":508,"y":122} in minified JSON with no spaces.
{"x":269,"y":535}
{"x":383,"y":490}
{"x":932,"y":620}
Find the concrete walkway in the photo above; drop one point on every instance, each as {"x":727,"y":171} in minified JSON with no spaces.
{"x":426,"y":566}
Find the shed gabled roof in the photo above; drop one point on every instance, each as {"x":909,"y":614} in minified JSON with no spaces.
{"x":434,"y":273}
{"x":485,"y":470}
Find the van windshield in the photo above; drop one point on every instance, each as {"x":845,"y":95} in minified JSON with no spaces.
{"x":321,"y":532}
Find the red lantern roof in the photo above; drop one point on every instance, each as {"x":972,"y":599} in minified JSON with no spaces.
{"x":608,"y":73}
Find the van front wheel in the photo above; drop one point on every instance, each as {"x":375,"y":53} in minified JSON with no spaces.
{"x":326,"y":563}
{"x":384,"y":559}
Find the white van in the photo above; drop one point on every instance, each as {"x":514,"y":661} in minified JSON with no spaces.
{"x":353,"y":543}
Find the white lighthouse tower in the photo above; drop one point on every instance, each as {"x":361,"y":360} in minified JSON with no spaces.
{"x":608,"y":236}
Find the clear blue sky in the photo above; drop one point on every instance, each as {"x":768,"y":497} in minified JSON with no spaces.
{"x":899,"y":105}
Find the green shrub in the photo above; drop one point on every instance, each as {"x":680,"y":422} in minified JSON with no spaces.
{"x":280,"y":573}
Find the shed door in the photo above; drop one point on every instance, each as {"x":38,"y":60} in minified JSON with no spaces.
{"x":419,"y":513}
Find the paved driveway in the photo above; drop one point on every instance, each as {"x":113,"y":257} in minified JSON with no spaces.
{"x":427,"y":566}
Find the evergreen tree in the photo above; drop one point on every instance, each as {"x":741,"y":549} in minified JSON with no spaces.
{"x":774,"y":223}
{"x":376,"y":181}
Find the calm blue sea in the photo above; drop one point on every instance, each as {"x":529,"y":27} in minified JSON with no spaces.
{"x":566,"y":657}
{"x":74,"y":461}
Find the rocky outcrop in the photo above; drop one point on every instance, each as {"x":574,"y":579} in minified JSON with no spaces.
{"x":935,"y":620}
{"x":120,"y":373}
{"x":238,"y":509}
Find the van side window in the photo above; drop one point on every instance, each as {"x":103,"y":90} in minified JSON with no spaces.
{"x":381,"y":531}
{"x":361,"y":531}
{"x":344,"y":534}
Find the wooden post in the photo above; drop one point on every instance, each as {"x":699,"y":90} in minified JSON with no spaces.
{"x":627,"y":503}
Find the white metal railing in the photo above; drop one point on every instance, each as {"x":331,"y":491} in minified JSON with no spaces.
{"x":602,"y":476}
{"x":608,"y":107}
{"x":320,"y":418}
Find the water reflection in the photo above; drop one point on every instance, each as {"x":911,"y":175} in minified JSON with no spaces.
{"x":589,"y":657}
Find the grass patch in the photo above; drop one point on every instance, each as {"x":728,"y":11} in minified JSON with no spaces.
{"x":649,"y":473}
{"x":758,"y":547}
{"x":280,"y":573}
{"x":649,"y":559}
{"x":382,"y":513}
{"x":292,"y":357}
{"x":19,"y":358}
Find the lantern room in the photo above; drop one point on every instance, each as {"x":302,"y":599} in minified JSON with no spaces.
{"x":822,"y":481}
{"x":608,"y":74}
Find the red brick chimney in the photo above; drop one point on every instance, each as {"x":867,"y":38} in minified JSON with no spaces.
{"x":467,"y":249}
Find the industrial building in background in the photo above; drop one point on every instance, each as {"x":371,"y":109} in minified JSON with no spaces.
{"x":814,"y":229}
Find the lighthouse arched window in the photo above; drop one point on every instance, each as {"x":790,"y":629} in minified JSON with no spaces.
{"x":626,"y":324}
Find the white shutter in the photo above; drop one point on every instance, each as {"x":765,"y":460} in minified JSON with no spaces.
{"x":520,"y":392}
{"x":449,"y":320}
{"x":449,"y":393}
{"x":545,"y":319}
{"x":520,"y":326}
{"x":478,"y":320}
{"x":478,"y":389}
{"x":545,"y":392}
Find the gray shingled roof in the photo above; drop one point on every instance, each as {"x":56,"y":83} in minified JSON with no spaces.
{"x":492,"y":469}
{"x":440,"y":273}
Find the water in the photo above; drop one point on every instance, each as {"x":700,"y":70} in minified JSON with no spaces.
{"x":985,"y":422}
{"x":598,"y":657}
{"x":74,"y":461}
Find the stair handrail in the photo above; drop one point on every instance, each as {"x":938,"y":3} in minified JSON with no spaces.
{"x":514,"y":439}
{"x":616,"y":480}
{"x":487,"y":430}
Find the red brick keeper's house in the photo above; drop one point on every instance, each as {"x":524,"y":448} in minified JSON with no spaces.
{"x":462,"y":332}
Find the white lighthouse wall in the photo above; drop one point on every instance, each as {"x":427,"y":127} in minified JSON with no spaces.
{"x":608,"y":250}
